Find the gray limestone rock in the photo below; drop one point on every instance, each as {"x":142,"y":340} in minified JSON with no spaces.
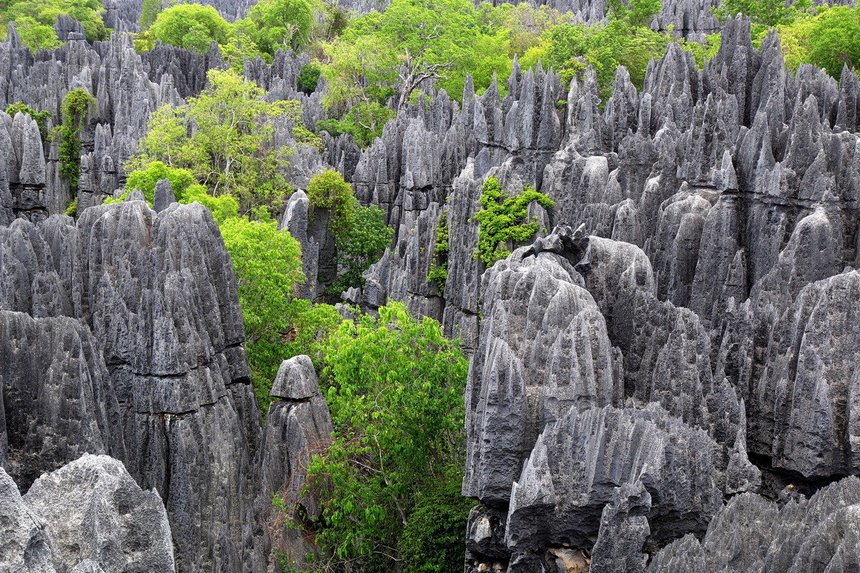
{"x":97,"y":513}
{"x":28,"y":545}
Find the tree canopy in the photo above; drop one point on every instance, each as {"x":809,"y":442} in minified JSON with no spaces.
{"x":225,"y":137}
{"x":191,"y":26}
{"x":389,"y":482}
{"x":36,"y":20}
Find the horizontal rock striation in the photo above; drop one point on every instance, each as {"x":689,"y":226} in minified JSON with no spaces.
{"x":123,"y":335}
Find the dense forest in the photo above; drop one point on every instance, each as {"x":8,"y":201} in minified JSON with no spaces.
{"x":429,"y":286}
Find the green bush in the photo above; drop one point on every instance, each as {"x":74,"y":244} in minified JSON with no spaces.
{"x":190,"y":26}
{"x":35,"y":19}
{"x":309,"y":77}
{"x":503,"y":221}
{"x":394,"y":386}
{"x":146,"y":178}
{"x":76,"y":105}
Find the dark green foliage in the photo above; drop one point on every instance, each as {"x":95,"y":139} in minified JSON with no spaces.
{"x":309,"y":77}
{"x":150,"y":11}
{"x":363,"y":244}
{"x":438,"y":273}
{"x":74,"y":111}
{"x":41,"y":117}
{"x":432,"y":540}
{"x":394,"y":386}
{"x":503,"y":221}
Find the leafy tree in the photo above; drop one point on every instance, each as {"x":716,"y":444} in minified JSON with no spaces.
{"x":394,"y":386}
{"x":225,"y":138}
{"x":309,"y":77}
{"x":268,"y":266}
{"x":503,"y":221}
{"x":364,"y":122}
{"x":328,"y":190}
{"x":526,"y":24}
{"x":364,"y":243}
{"x":191,"y":26}
{"x":635,"y":13}
{"x":834,"y":39}
{"x":76,"y":105}
{"x":150,"y":9}
{"x":411,"y":42}
{"x":279,"y":24}
{"x":764,"y":14}
{"x":36,"y":20}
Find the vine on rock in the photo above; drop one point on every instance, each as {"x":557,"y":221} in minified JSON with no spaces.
{"x":76,"y":105}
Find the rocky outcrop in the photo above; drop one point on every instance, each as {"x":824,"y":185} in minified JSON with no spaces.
{"x":89,"y":515}
{"x":135,"y":351}
{"x":298,"y":425}
{"x":754,"y":534}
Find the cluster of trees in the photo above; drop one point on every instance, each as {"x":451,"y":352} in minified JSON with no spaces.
{"x":269,"y":26}
{"x":36,"y":18}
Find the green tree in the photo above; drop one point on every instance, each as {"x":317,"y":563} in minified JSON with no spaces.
{"x":503,"y":221}
{"x":279,"y":24}
{"x":150,"y":10}
{"x":764,"y":14}
{"x":76,"y":106}
{"x":191,"y":26}
{"x":268,"y":265}
{"x":834,"y":39}
{"x":36,"y":20}
{"x":225,"y":137}
{"x":412,"y":41}
{"x":145,"y":179}
{"x":394,"y":386}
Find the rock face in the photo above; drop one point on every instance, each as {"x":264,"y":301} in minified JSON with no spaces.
{"x":123,"y":335}
{"x":89,"y":515}
{"x":297,"y":426}
{"x":709,"y":289}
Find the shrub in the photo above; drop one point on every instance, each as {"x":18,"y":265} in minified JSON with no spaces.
{"x":503,"y":221}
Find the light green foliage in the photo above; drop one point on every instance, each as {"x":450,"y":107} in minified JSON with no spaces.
{"x":394,"y":386}
{"x":224,"y":137}
{"x":570,"y":48}
{"x":72,"y":208}
{"x":268,"y":266}
{"x":191,"y":26}
{"x":634,"y":13}
{"x":526,"y":24}
{"x":41,"y":117}
{"x":36,"y":19}
{"x":705,"y":51}
{"x":145,"y":179}
{"x":503,"y":221}
{"x":76,"y":105}
{"x":438,"y":273}
{"x":222,"y":208}
{"x":279,"y":24}
{"x":393,"y":52}
{"x":328,"y":190}
{"x":834,"y":39}
{"x":829,"y":40}
{"x":150,"y":9}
